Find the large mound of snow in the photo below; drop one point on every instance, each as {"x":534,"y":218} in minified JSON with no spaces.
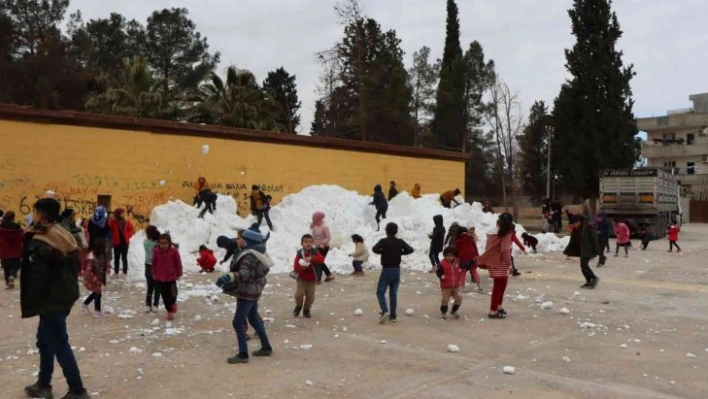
{"x":346,"y":212}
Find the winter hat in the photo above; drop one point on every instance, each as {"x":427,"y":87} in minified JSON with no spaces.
{"x":118,"y":212}
{"x":99,"y":213}
{"x":223,"y":241}
{"x":317,"y":219}
{"x":252,"y":237}
{"x":49,"y":207}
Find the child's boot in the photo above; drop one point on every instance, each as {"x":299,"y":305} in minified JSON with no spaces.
{"x":443,"y":310}
{"x":455,"y":308}
{"x":306,"y":313}
{"x":149,"y":309}
{"x":296,"y":312}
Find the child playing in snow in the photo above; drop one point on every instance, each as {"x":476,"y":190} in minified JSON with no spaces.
{"x":673,"y":235}
{"x":152,"y":236}
{"x":452,"y":232}
{"x":623,"y":237}
{"x":452,"y":278}
{"x":497,"y":259}
{"x":467,"y":252}
{"x":437,"y":240}
{"x":514,"y":271}
{"x":98,"y":266}
{"x":321,"y":235}
{"x":230,"y":245}
{"x":166,"y":270}
{"x":391,"y":249}
{"x":360,"y":255}
{"x":206,"y":260}
{"x":584,"y":243}
{"x":529,"y":241}
{"x":644,"y":235}
{"x":306,"y":261}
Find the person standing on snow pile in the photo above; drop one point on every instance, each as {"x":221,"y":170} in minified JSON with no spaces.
{"x":166,"y":270}
{"x":467,"y":253}
{"x":307,"y":259}
{"x":122,"y":231}
{"x":437,"y":242}
{"x":206,"y":260}
{"x":392,"y":190}
{"x":258,"y":204}
{"x":623,"y":237}
{"x":584,"y":244}
{"x":49,"y":289}
{"x":152,"y":237}
{"x":98,"y":267}
{"x":673,"y":235}
{"x":246,"y":281}
{"x":360,"y":255}
{"x":11,"y":237}
{"x":200,"y":186}
{"x":208,"y":198}
{"x":487,"y":207}
{"x":415,"y":193}
{"x":391,"y":250}
{"x":320,"y":231}
{"x":448,"y":197}
{"x":497,"y":259}
{"x":381,"y":205}
{"x":452,"y":278}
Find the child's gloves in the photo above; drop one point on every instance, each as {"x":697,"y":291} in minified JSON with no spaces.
{"x":224,"y":280}
{"x":304,"y":262}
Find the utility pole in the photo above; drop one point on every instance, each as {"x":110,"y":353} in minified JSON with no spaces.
{"x":549,"y":137}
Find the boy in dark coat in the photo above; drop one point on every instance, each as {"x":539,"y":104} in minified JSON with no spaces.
{"x":207,"y":197}
{"x":49,"y":288}
{"x":381,"y":205}
{"x":391,"y":250}
{"x":437,"y":241}
{"x":585,"y":245}
{"x":529,"y":241}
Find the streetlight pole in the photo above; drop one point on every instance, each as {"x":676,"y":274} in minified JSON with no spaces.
{"x":549,"y":137}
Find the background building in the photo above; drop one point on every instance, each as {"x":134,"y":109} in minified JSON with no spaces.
{"x":679,"y":142}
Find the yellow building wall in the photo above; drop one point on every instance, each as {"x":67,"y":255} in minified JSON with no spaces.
{"x":81,"y":163}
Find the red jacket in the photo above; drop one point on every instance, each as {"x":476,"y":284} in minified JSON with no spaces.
{"x":128,"y":231}
{"x":307,"y":273}
{"x":11,"y":243}
{"x":673,"y":232}
{"x":166,"y":265}
{"x":452,"y":275}
{"x":466,"y":248}
{"x":206,"y":260}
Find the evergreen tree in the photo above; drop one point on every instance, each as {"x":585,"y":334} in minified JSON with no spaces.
{"x":281,"y":85}
{"x":533,"y":145}
{"x":423,"y":77}
{"x":449,"y":125}
{"x":594,"y":125}
{"x":105,"y":43}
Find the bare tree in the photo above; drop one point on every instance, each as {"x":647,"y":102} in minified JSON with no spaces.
{"x":423,"y":78}
{"x":505,"y":119}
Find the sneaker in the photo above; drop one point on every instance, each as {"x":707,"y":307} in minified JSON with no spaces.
{"x":263,"y":352}
{"x":433,"y":270}
{"x":392,"y":319}
{"x":306,"y":313}
{"x":85,"y":308}
{"x":587,"y":285}
{"x":455,"y":315}
{"x":170,"y":315}
{"x":319,"y":282}
{"x":594,"y":282}
{"x":329,"y":278}
{"x":11,"y":282}
{"x":37,"y":391}
{"x":479,"y":288}
{"x":240,"y":358}
{"x":149,"y":309}
{"x":444,"y":316}
{"x":155,"y":308}
{"x":99,"y":314}
{"x":77,"y":395}
{"x":383,"y":316}
{"x":515,"y":273}
{"x":296,"y":312}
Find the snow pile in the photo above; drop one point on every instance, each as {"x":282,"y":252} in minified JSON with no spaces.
{"x":346,"y":212}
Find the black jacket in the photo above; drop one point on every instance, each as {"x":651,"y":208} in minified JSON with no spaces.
{"x":437,"y":241}
{"x":391,"y":251}
{"x":392,"y":192}
{"x":95,"y":231}
{"x":50,"y":267}
{"x":379,"y":199}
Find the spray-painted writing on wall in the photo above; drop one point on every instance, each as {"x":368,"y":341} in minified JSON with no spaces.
{"x":241,"y":192}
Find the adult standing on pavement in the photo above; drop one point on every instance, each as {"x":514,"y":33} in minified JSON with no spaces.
{"x":122,"y":231}
{"x":557,"y":215}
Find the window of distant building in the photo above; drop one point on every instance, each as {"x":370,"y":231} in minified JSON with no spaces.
{"x":669,"y":136}
{"x":690,"y":138}
{"x":670,"y":164}
{"x":690,"y":168}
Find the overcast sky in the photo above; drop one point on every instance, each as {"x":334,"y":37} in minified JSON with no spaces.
{"x":666,"y":41}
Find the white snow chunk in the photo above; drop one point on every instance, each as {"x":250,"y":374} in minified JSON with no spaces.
{"x":82,"y":349}
{"x":155,"y":322}
{"x":509,"y":370}
{"x":452,"y":348}
{"x":383,"y":341}
{"x":108,"y":310}
{"x":162,"y":182}
{"x":691,"y":355}
{"x":214,"y":298}
{"x":205,"y":149}
{"x":157,"y":354}
{"x":410,"y":312}
{"x":135,"y":349}
{"x":623,"y":346}
{"x":197,"y":318}
{"x":306,"y":347}
{"x":308,"y":383}
{"x":547,"y":305}
{"x":564,"y":311}
{"x":358,"y":312}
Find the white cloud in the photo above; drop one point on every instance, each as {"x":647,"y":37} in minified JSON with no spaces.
{"x":526,"y":38}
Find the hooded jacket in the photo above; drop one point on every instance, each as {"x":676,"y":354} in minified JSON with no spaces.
{"x":249,"y":279}
{"x":11,"y":236}
{"x":380,"y":201}
{"x":166,"y":265}
{"x":50,"y":266}
{"x":673,"y":232}
{"x":622,"y":233}
{"x":307,"y":273}
{"x":320,"y":231}
{"x":206,"y":260}
{"x":437,"y":239}
{"x":120,"y":226}
{"x":452,"y":275}
{"x":415,"y":193}
{"x":466,"y":248}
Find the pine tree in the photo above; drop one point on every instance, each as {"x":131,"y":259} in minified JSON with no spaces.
{"x":533,"y":145}
{"x":594,"y":123}
{"x":449,"y":125}
{"x":281,"y":85}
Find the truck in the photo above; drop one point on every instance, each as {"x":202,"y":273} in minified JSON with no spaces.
{"x":646,"y":197}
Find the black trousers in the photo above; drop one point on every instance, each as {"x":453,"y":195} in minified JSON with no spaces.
{"x":210,"y":207}
{"x":587,"y":271}
{"x":120,"y":253}
{"x":323,"y":267}
{"x":11,"y":267}
{"x":168,"y":290}
{"x":151,"y":288}
{"x":96,"y":297}
{"x":672,"y":244}
{"x":380,"y":213}
{"x":263,"y":213}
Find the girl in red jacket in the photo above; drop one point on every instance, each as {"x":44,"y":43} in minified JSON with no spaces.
{"x":166,"y":270}
{"x":121,"y":233}
{"x":305,"y":262}
{"x":673,"y":234}
{"x":452,"y":277}
{"x":206,"y":260}
{"x":467,"y":252}
{"x":98,"y":267}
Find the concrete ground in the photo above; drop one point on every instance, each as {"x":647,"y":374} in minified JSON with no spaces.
{"x":640,"y":334}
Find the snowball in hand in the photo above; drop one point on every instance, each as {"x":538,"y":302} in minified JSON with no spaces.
{"x":304,"y":262}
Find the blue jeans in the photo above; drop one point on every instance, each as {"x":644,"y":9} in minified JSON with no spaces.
{"x":389,"y":279}
{"x":434,"y":257}
{"x":53,"y":341}
{"x":248,"y":310}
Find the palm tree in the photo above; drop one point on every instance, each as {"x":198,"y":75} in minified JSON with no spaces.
{"x":238,"y":102}
{"x":132,"y":91}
